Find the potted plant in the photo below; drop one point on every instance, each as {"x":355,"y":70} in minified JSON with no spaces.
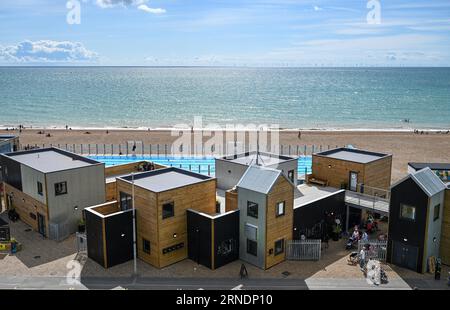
{"x":81,"y":226}
{"x":343,"y":185}
{"x":13,"y":245}
{"x":337,"y":230}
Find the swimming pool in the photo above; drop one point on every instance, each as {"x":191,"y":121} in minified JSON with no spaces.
{"x":204,"y":165}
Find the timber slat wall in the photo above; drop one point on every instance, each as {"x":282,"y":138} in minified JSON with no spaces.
{"x":231,"y":200}
{"x":445,"y":236}
{"x":24,"y":205}
{"x":279,"y":227}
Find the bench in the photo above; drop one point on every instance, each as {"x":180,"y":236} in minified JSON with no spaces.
{"x":318,"y":182}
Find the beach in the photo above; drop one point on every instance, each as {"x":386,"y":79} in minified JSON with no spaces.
{"x":406,"y":146}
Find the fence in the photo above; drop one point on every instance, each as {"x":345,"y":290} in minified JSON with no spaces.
{"x":303,"y":249}
{"x":374,"y":249}
{"x":141,"y":148}
{"x":81,"y":243}
{"x":59,"y":231}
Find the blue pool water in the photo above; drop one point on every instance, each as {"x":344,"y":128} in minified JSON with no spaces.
{"x":204,"y":165}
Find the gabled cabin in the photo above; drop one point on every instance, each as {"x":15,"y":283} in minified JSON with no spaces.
{"x":415,"y":220}
{"x":265,"y":199}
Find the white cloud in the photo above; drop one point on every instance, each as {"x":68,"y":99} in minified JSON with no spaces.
{"x":147,"y":9}
{"x":317,"y":8}
{"x":114,"y":3}
{"x":47,"y":51}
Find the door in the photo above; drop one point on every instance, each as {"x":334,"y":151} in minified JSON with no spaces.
{"x":353,"y":181}
{"x":41,"y":224}
{"x":405,"y":255}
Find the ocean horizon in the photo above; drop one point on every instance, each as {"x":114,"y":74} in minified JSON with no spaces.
{"x":345,"y":98}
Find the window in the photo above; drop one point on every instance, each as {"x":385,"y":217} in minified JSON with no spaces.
{"x":437,"y":212}
{"x":252,"y":247}
{"x":146,"y":246}
{"x":168,"y":210}
{"x":280,"y":208}
{"x":251,"y":232}
{"x":252,"y":209}
{"x":291,"y":175}
{"x":126,"y":201}
{"x":407,"y":212}
{"x":39,"y":189}
{"x":60,"y":188}
{"x":279,"y":247}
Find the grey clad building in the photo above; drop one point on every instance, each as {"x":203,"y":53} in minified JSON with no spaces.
{"x":49,"y":188}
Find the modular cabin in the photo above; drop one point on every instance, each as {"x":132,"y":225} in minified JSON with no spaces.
{"x":445,"y":234}
{"x":415,"y":220}
{"x":49,"y":188}
{"x":9,"y":144}
{"x":230,"y":169}
{"x":316,"y":210}
{"x":161,"y":200}
{"x":114,"y":172}
{"x":109,"y":234}
{"x":213,"y":240}
{"x":265,"y":199}
{"x":352,"y":169}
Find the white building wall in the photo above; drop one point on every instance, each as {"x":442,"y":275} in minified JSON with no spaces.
{"x":434,"y":227}
{"x":85,"y":188}
{"x":30,"y":177}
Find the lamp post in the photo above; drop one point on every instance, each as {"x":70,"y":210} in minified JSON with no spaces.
{"x":134,"y":227}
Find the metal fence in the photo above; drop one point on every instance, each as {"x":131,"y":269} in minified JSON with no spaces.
{"x":81,"y":243}
{"x":141,"y":148}
{"x":374,"y":249}
{"x":303,"y":249}
{"x":59,"y":231}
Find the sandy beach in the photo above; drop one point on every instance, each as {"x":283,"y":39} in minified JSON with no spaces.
{"x":405,"y":146}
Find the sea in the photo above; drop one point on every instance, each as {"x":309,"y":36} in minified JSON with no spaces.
{"x":162,"y":97}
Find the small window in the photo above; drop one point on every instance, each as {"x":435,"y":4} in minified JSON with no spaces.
{"x":40,"y":189}
{"x":60,"y":188}
{"x":407,"y":212}
{"x":251,"y":232}
{"x":291,"y":175}
{"x":168,"y":210}
{"x":252,"y":209}
{"x":146,"y":246}
{"x":279,"y":247}
{"x":280,"y":209}
{"x":126,"y":201}
{"x":252,"y":247}
{"x":437,"y":212}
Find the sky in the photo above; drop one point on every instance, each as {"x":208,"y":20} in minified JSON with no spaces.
{"x":225,"y":32}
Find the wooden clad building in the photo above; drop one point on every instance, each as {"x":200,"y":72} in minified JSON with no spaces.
{"x":162,"y":198}
{"x":445,"y":236}
{"x":265,"y":200}
{"x":352,"y":169}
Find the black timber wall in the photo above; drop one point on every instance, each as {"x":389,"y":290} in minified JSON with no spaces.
{"x":11,"y":172}
{"x":226,"y":228}
{"x":119,"y":238}
{"x":94,"y":235}
{"x":199,"y":230}
{"x":305,"y":217}
{"x":408,"y":192}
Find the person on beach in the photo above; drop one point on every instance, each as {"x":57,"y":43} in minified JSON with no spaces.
{"x":299,"y":135}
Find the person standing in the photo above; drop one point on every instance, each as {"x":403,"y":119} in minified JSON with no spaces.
{"x":362,"y":259}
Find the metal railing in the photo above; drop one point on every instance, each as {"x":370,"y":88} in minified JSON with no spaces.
{"x":303,"y":249}
{"x":369,"y":197}
{"x":374,"y":249}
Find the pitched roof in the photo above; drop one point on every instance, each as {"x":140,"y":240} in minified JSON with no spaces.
{"x":259,"y":179}
{"x":427,"y":180}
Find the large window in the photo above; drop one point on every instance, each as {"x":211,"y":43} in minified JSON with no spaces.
{"x":168,"y":210}
{"x":279,"y":247}
{"x":146,"y":246}
{"x":280,"y":208}
{"x":437,"y":212}
{"x":291,"y":175}
{"x":252,"y":247}
{"x":407,"y":212}
{"x":60,"y":188}
{"x":252,"y":209}
{"x":126,"y":201}
{"x":40,"y":189}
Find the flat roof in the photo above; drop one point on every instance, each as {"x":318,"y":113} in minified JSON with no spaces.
{"x":306,"y":194}
{"x":432,"y":166}
{"x":7,"y":137}
{"x":51,"y":160}
{"x":264,"y":159}
{"x":354,"y":155}
{"x":165,"y":179}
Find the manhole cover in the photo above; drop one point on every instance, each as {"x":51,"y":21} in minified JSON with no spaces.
{"x":37,"y":257}
{"x":286,"y":273}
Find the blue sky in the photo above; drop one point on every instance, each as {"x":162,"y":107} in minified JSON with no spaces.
{"x":226,"y":32}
